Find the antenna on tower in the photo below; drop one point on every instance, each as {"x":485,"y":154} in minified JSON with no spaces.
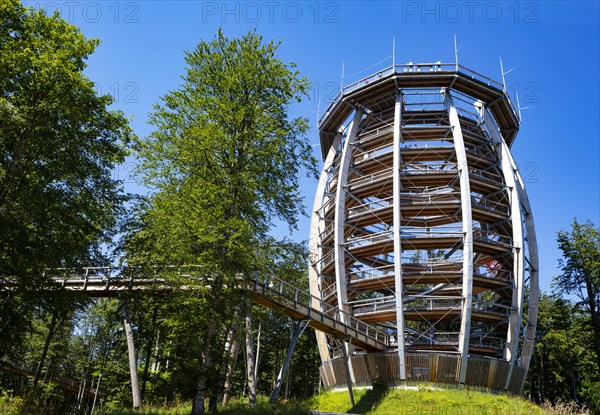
{"x":504,"y":85}
{"x":456,"y":53}
{"x":342,"y":82}
{"x":394,"y":53}
{"x":518,"y":105}
{"x":318,"y":109}
{"x":505,"y":73}
{"x":502,"y":72}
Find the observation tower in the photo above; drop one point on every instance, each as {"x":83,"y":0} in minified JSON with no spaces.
{"x":422,"y":232}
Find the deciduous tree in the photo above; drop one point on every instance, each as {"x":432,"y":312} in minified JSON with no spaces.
{"x":224,"y":163}
{"x":581,"y":270}
{"x":59,"y":142}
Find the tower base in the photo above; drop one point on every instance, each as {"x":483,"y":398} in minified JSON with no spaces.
{"x":438,"y":368}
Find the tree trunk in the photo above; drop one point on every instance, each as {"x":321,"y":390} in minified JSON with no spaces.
{"x":40,"y":365}
{"x":217,"y":378}
{"x":257,"y":354}
{"x":250,"y":371}
{"x":201,"y":384}
{"x":135,"y":383}
{"x":148,"y":353}
{"x":96,"y":393}
{"x":81,"y":394}
{"x":232,"y":348}
{"x":155,"y":357}
{"x":296,"y":331}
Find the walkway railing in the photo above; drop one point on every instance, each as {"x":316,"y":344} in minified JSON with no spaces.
{"x":338,"y":323}
{"x":414,"y":68}
{"x":268,"y":291}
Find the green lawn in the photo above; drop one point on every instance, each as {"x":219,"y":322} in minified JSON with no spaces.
{"x":424,"y":400}
{"x":235,"y":408}
{"x":380,"y":400}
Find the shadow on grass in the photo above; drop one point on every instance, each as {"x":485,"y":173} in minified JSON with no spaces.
{"x":370,"y":399}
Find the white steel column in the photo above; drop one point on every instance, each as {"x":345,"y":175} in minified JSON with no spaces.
{"x":339,"y":228}
{"x":534,"y":288}
{"x":397,"y":186}
{"x":467,"y":228}
{"x":317,"y":225}
{"x":340,"y":217}
{"x":508,"y":172}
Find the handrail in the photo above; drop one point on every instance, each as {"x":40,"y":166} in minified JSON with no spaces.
{"x":416,"y":68}
{"x":268,"y":285}
{"x":289,"y":292}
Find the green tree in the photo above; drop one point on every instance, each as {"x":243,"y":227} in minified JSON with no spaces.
{"x":563,"y":358}
{"x":580,"y":267}
{"x":58,"y":145}
{"x":224,"y":163}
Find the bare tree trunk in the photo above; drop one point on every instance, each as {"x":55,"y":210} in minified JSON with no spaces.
{"x":233,"y":356}
{"x":40,"y":366}
{"x":135,"y":383}
{"x":250,"y":371}
{"x":232,"y":348}
{"x":82,"y":394}
{"x":96,"y":393}
{"x":155,"y":356}
{"x":257,"y":354}
{"x":217,"y":379}
{"x":148,"y":353}
{"x":296,"y":331}
{"x":201,"y":384}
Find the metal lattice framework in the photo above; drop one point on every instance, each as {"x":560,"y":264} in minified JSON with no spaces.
{"x":422,"y":227}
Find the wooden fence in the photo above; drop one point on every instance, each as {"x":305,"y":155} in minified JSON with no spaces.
{"x":484,"y":373}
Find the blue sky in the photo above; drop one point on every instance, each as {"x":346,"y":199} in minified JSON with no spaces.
{"x":554,"y":47}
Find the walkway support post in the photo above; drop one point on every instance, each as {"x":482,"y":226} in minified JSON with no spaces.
{"x":467,"y":229}
{"x":397,"y":187}
{"x":348,"y":366}
{"x":136,"y":394}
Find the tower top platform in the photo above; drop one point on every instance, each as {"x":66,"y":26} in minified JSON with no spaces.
{"x":377,"y":92}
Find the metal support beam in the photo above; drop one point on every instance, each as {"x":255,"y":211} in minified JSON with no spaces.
{"x":341,"y":282}
{"x":534,"y":289}
{"x":317,"y":225}
{"x":467,"y":228}
{"x":508,"y":171}
{"x":349,"y":373}
{"x":397,"y":186}
{"x":340,"y":215}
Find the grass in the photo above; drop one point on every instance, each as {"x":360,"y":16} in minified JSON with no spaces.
{"x":424,"y":400}
{"x":183,"y":409}
{"x":379,"y":400}
{"x":236,"y":407}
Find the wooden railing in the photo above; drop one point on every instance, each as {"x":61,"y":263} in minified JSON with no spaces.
{"x":267,"y":290}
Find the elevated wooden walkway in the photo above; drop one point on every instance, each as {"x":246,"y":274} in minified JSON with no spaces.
{"x":269,"y":291}
{"x":300,"y":305}
{"x":22,"y":369}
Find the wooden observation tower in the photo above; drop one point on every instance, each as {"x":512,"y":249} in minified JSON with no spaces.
{"x":422,"y":229}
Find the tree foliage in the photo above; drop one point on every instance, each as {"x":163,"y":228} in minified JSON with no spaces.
{"x":563,"y":358}
{"x":565,"y":365}
{"x":224,"y":164}
{"x":59,"y":142}
{"x":581,"y":271}
{"x":225,"y":156}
